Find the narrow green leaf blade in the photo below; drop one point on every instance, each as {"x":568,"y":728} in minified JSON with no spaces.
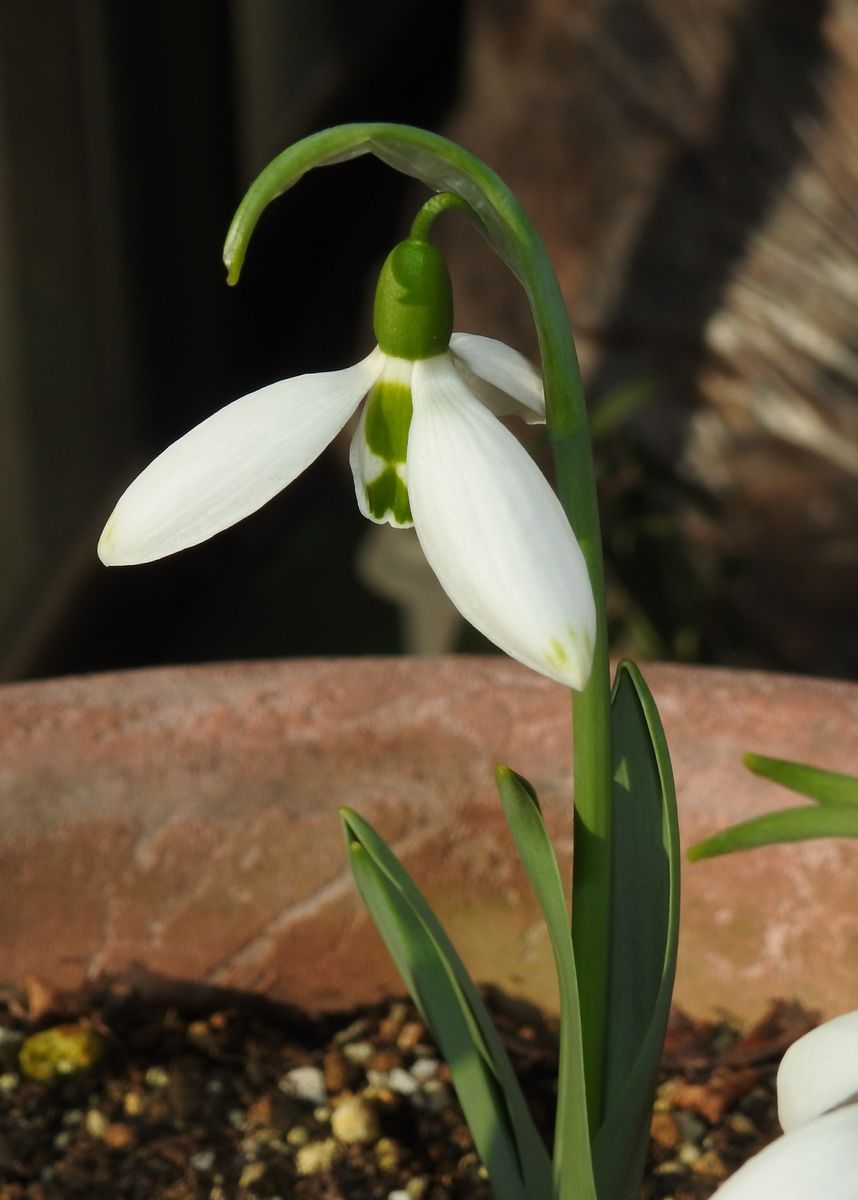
{"x":825,"y":787}
{"x":573,"y":1170}
{"x":421,"y":948}
{"x":437,"y":998}
{"x":645,"y":926}
{"x":787,"y":825}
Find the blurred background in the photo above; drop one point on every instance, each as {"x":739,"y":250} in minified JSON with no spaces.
{"x":692,"y":165}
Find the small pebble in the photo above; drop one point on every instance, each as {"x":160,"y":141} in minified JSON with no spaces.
{"x":317,"y":1156}
{"x":390,"y":1028}
{"x":200,"y":1033}
{"x":436,"y":1095}
{"x":411,"y":1035}
{"x":203,"y":1160}
{"x":741,"y":1124}
{"x":133,"y":1103}
{"x":338,"y":1072}
{"x":9,"y":1081}
{"x":378,"y":1079}
{"x":353,"y":1032}
{"x":402,"y":1081}
{"x":60,"y":1051}
{"x":305,"y":1083}
{"x":358,"y":1053}
{"x":354,"y":1120}
{"x":119,"y":1136}
{"x":297,"y":1136}
{"x":710,"y":1164}
{"x":388,"y":1153}
{"x":669,"y":1167}
{"x":690,"y":1126}
{"x":416,"y":1186}
{"x":688,"y":1153}
{"x":664,"y":1131}
{"x":424,"y":1069}
{"x":385,"y":1059}
{"x":157,"y":1077}
{"x":252,"y":1174}
{"x":95,"y":1123}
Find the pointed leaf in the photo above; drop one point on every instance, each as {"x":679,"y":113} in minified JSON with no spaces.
{"x":644,"y":931}
{"x":445,"y":993}
{"x":788,"y":825}
{"x":572,"y":1163}
{"x":441,"y":1007}
{"x":826,"y":787}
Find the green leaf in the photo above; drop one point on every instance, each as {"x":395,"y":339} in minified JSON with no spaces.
{"x":826,"y":787}
{"x":573,"y":1170}
{"x":494,"y":1107}
{"x":788,"y":825}
{"x":644,"y":932}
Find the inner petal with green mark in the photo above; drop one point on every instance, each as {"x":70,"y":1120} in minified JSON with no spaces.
{"x":380,"y":445}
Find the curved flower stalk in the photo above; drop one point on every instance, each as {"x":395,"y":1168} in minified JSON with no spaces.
{"x":818,"y":1154}
{"x":429,"y":451}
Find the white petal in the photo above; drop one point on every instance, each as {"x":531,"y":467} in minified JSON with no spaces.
{"x":494,"y":532}
{"x":819,"y":1161}
{"x":504,"y":380}
{"x":232,"y":463}
{"x":819,"y":1071}
{"x":366,"y":465}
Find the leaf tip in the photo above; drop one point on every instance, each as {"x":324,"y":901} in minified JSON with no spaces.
{"x":701,"y":850}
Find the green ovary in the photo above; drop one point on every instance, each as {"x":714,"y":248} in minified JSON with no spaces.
{"x":388,"y":494}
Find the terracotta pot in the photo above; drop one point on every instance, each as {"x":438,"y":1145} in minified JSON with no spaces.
{"x":181,"y":824}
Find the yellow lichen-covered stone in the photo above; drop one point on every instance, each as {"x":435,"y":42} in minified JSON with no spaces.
{"x":60,"y":1051}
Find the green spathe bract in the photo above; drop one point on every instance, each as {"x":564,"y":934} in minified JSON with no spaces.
{"x":413,"y":313}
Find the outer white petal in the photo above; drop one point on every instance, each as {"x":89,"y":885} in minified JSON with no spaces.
{"x":494,"y":532}
{"x":819,"y":1161}
{"x":233,"y":463}
{"x":506,"y":382}
{"x":819,"y":1071}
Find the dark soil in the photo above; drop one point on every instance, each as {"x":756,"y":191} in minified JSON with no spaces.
{"x":244,"y":1104}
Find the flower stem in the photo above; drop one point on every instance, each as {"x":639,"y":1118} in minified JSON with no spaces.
{"x":592,"y":775}
{"x":434,"y":206}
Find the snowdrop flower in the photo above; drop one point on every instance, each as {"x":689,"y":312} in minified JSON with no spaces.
{"x":818,"y":1154}
{"x":429,"y":450}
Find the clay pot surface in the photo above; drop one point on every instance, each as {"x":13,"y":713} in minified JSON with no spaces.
{"x":181,"y":825}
